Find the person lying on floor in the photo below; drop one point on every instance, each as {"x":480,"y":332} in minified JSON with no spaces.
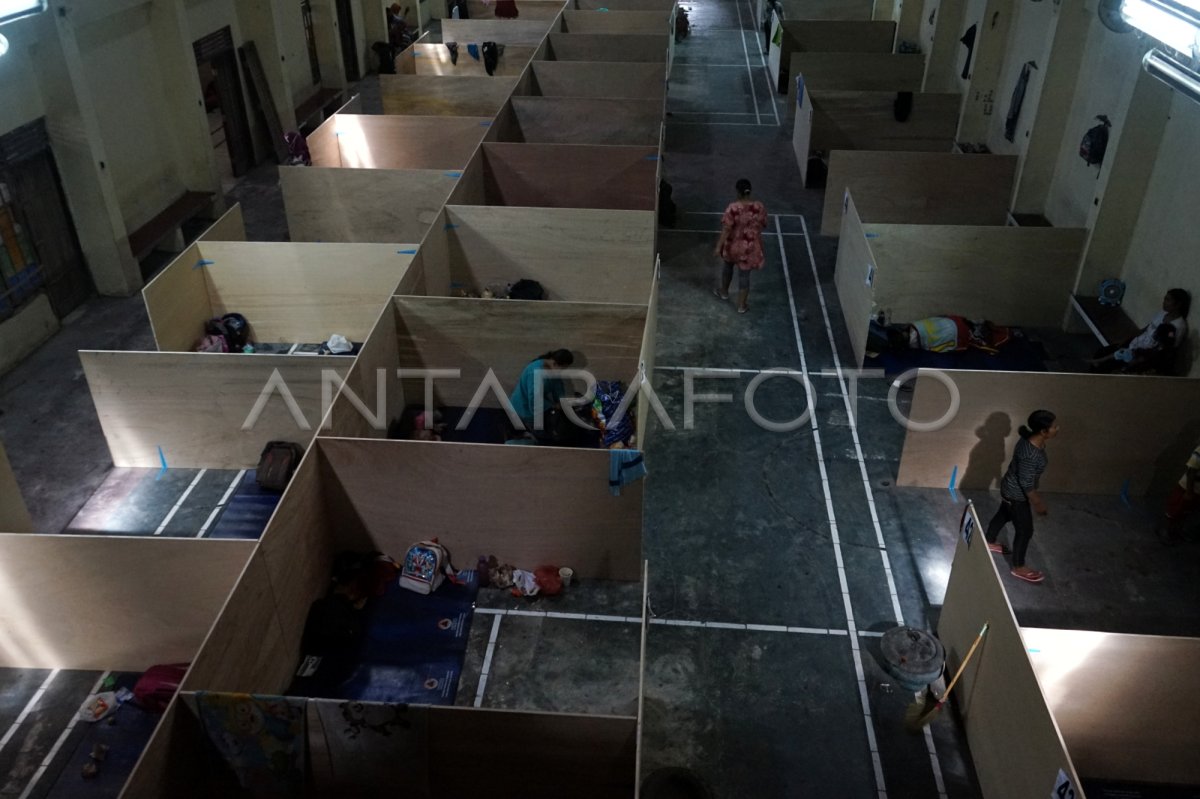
{"x":1156,"y":359}
{"x":525,"y":396}
{"x":1175,"y":306}
{"x":945,"y":334}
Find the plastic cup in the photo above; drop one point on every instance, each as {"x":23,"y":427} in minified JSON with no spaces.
{"x":566,"y":575}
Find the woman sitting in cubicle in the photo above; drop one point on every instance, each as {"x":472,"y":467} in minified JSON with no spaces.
{"x":1153,"y":350}
{"x":525,"y":400}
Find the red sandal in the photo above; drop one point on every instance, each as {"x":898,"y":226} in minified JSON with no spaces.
{"x":999,"y":549}
{"x":1031,"y":576}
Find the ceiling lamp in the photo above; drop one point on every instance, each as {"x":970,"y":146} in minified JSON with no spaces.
{"x":15,"y":9}
{"x":1174,"y":23}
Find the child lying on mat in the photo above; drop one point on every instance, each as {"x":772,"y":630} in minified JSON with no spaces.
{"x":943,"y":334}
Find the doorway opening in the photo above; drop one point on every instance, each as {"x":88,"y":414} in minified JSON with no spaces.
{"x":228,"y":125}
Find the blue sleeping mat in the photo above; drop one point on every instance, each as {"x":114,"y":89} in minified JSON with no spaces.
{"x":1020,"y":354}
{"x":246,"y":514}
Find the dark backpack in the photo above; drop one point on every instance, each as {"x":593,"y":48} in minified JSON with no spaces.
{"x":1095,"y":142}
{"x":666,"y":205}
{"x":278,"y":461}
{"x":527,"y":290}
{"x":237,"y":331}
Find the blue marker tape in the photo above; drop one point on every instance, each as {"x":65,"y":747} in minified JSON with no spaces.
{"x":953,"y":480}
{"x":652,"y":158}
{"x":453,"y":174}
{"x":449,"y":226}
{"x":1125,"y":493}
{"x":163,"y":460}
{"x":486,"y":123}
{"x":202,"y":262}
{"x":872,"y":235}
{"x":406,"y":252}
{"x":1035,"y":651}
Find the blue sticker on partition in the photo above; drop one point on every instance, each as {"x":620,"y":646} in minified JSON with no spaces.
{"x":449,"y":226}
{"x":485,"y":123}
{"x":163,"y":460}
{"x":652,"y":158}
{"x":453,"y":174}
{"x":872,"y":235}
{"x":406,"y":252}
{"x":202,"y":262}
{"x":953,"y":480}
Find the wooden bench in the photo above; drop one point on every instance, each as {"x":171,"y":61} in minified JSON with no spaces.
{"x":1110,"y":324}
{"x":146,"y":239}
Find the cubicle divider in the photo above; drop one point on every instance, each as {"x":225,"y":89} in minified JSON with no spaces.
{"x":866,"y":120}
{"x":614,"y":21}
{"x":1010,"y":275}
{"x":622,"y":5}
{"x":619,"y":177}
{"x":854,"y":47}
{"x":527,"y":9}
{"x":580,"y":120}
{"x":14,"y":515}
{"x":446,"y":95}
{"x":643,"y":81}
{"x":289,"y":293}
{"x":422,"y":58}
{"x":521,"y":31}
{"x":231,"y":226}
{"x":918,"y":188}
{"x":624,"y":47}
{"x":577,"y":255}
{"x":1103,"y":453}
{"x":1015,"y":744}
{"x":207,"y":410}
{"x":781,"y":46}
{"x":372,"y":141}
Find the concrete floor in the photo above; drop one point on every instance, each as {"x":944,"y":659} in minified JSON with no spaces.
{"x":776,"y":559}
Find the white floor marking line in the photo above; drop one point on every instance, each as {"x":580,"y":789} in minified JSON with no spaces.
{"x":935,"y":763}
{"x":29,"y":706}
{"x":171,"y":513}
{"x":212,"y":517}
{"x":715,"y":113}
{"x":762,"y":59}
{"x":487,"y":661}
{"x":708,"y":625}
{"x":749,"y":71}
{"x":726,"y":371}
{"x":721,"y":124}
{"x":62,"y":738}
{"x":853,"y":424}
{"x":814,"y":425}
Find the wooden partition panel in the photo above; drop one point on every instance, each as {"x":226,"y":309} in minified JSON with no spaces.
{"x":628,"y":47}
{"x":363,"y":205}
{"x":370,"y":416}
{"x":62,"y":607}
{"x":827,"y":9}
{"x":14,"y":516}
{"x":578,"y":255}
{"x":858,"y":72}
{"x":1098,"y":453}
{"x":571,"y":176}
{"x":865,"y":121}
{"x":477,"y":335}
{"x":587,"y":120}
{"x":475,"y":499}
{"x":367,"y":141}
{"x":453,"y":95}
{"x":230,"y":227}
{"x":194,"y":406}
{"x":919,"y":188}
{"x":288,"y":292}
{"x":528,"y":32}
{"x":977,"y":272}
{"x":434,"y":59}
{"x":1144,"y":730}
{"x":646,"y":364}
{"x":528,"y":9}
{"x":840,"y":35}
{"x":854,"y":276}
{"x":599,"y":79}
{"x":623,"y":5}
{"x":177,"y":302}
{"x":1014,"y":741}
{"x":612,"y":21}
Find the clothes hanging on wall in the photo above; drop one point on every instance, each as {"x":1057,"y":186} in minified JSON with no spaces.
{"x":1018,"y":97}
{"x":968,"y":39}
{"x":491,"y":56}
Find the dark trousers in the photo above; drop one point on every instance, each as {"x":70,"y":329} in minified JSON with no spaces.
{"x":1021,"y":516}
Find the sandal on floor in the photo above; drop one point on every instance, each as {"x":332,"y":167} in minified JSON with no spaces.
{"x":999,"y":549}
{"x":1031,"y":576}
{"x":719,"y":295}
{"x":743,"y":308}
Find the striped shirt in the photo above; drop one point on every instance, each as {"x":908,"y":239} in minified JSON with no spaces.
{"x":1027,"y":464}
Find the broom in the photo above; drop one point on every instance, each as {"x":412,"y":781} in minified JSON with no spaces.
{"x":923,"y":711}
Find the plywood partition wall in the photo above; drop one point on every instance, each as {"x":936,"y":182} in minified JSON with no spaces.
{"x":854,"y":276}
{"x":14,"y":516}
{"x":287,"y":292}
{"x":522,"y":31}
{"x":449,"y":95}
{"x":528,"y":9}
{"x":827,"y":9}
{"x":194,"y":406}
{"x":396,"y":142}
{"x":578,"y":255}
{"x":919,"y":188}
{"x":562,"y":176}
{"x":628,"y":47}
{"x":363,"y":205}
{"x":1100,"y":452}
{"x":62,"y":604}
{"x":1145,"y":730}
{"x":581,"y":120}
{"x":1015,"y":744}
{"x":599,"y":79}
{"x":230,"y":227}
{"x":622,"y":5}
{"x":834,"y":36}
{"x":858,"y":71}
{"x":613,"y":21}
{"x":434,"y":59}
{"x":865,"y":120}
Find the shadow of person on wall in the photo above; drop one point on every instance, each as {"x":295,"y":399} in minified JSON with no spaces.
{"x":986,"y":463}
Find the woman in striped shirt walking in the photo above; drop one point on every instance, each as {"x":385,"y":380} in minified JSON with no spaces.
{"x":1019,"y":495}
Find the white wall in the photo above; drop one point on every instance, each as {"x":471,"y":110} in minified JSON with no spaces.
{"x":293,"y":47}
{"x":1029,"y":39}
{"x":1109,"y":71}
{"x":128,"y":93}
{"x":22,"y":101}
{"x":1164,"y":251}
{"x":972,"y":15}
{"x":209,"y":16}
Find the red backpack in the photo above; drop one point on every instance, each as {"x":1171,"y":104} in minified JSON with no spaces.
{"x":154,"y":689}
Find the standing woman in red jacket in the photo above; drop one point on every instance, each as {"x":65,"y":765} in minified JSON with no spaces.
{"x":740,"y":244}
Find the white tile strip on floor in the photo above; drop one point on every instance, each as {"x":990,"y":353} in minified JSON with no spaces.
{"x":183,"y":498}
{"x":762,"y":59}
{"x":935,"y":762}
{"x":29,"y":706}
{"x":62,"y":738}
{"x":212,"y":517}
{"x":487,"y":661}
{"x":746,"y":53}
{"x":814,"y":424}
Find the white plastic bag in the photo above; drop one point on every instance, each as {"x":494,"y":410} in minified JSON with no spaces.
{"x":98,"y":706}
{"x":338,"y":344}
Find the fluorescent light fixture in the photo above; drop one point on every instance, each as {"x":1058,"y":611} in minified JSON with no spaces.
{"x":15,"y":9}
{"x":1175,"y":23}
{"x":1173,"y":73}
{"x":3,"y":44}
